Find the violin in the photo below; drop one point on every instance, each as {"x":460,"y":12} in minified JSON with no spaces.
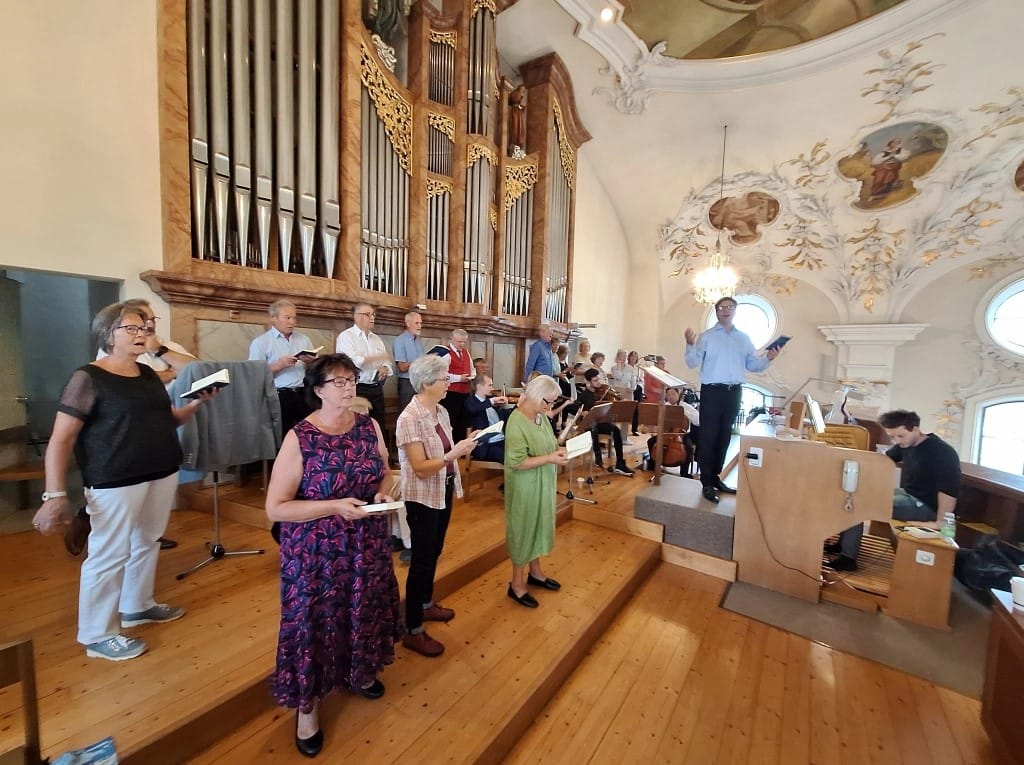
{"x":605,"y":393}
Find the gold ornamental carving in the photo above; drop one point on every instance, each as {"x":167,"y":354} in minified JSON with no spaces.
{"x":444,"y":38}
{"x":443,"y":123}
{"x":436,"y":187}
{"x":565,"y":149}
{"x":477,"y":150}
{"x":492,"y":216}
{"x":392,"y":109}
{"x":518,"y":180}
{"x":479,"y":5}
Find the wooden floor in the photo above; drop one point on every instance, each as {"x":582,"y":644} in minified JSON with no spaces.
{"x":623,"y":665}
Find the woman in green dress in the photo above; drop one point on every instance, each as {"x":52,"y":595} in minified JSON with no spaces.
{"x":532,"y":456}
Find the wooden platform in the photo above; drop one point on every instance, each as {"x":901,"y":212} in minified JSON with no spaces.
{"x":617,"y":666}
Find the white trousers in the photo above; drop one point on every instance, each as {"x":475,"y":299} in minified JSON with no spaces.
{"x":117,"y":576}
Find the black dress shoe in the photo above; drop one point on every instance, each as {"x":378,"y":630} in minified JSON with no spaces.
{"x":308,"y":746}
{"x":374,"y":691}
{"x":547,"y":583}
{"x":722,"y":488}
{"x":167,"y":544}
{"x":710,"y":494}
{"x":526,"y":599}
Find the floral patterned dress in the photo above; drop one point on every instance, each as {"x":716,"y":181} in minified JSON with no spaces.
{"x":339,"y":595}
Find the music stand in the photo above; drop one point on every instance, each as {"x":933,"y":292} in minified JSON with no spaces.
{"x":608,"y":414}
{"x":667,"y":419}
{"x":574,"y":450}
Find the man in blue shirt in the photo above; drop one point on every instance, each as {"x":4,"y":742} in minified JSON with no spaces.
{"x":539,"y":359}
{"x":280,"y":347}
{"x":406,"y":349}
{"x":724,"y":355}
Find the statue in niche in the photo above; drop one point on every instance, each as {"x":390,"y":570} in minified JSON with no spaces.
{"x":741,"y":215}
{"x":889,"y":159}
{"x":517,"y":122}
{"x":386,"y":19}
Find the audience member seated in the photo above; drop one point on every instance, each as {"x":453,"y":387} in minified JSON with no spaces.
{"x":481,"y":413}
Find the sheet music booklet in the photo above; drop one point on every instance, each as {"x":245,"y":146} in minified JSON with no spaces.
{"x":211,"y":382}
{"x":580,"y":444}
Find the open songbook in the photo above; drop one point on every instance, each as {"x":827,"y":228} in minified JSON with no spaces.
{"x":314,"y":352}
{"x":211,"y":382}
{"x":495,"y":428}
{"x":579,"y":445}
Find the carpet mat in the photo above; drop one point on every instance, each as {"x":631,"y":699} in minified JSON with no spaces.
{"x":954,"y":660}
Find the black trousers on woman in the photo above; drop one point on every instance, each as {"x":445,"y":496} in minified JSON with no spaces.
{"x":427,"y":527}
{"x":719,"y":405}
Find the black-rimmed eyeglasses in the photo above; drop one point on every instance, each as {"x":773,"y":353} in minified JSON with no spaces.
{"x":340,"y":382}
{"x":135,"y":329}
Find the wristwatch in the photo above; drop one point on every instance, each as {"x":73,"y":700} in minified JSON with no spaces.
{"x":48,"y":495}
{"x":161,"y":351}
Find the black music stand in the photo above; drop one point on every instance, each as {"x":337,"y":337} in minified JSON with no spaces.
{"x":608,"y":414}
{"x":589,"y":483}
{"x":668,"y":420}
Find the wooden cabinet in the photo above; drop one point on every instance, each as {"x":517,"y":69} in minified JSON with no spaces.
{"x":1002,"y":700}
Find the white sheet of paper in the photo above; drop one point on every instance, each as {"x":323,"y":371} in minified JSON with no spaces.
{"x":495,"y":428}
{"x":580,"y":444}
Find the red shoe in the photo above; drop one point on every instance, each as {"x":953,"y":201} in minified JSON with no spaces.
{"x":438,"y":613}
{"x":424,"y":644}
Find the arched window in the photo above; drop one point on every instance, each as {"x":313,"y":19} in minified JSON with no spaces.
{"x":1004,"y":317}
{"x":755,"y":316}
{"x":1001,"y":437}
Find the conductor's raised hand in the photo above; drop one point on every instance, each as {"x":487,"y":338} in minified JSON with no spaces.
{"x":691,"y":336}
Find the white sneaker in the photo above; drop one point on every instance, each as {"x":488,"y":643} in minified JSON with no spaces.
{"x":161,"y":612}
{"x":117,"y":648}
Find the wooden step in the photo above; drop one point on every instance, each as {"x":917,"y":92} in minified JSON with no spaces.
{"x":501,"y":665}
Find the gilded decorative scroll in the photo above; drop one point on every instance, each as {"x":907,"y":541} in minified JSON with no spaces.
{"x":565,"y":149}
{"x":518,"y":180}
{"x":492,"y":216}
{"x":443,"y":123}
{"x":477,"y":150}
{"x":444,"y":38}
{"x":436,"y":188}
{"x":479,"y":5}
{"x":394,"y":111}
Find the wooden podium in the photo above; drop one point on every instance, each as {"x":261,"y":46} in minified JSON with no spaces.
{"x":786,"y":508}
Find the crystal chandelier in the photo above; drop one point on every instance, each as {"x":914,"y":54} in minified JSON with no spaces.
{"x":718,"y":279}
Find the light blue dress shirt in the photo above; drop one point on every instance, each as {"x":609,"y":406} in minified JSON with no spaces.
{"x":724,"y":356}
{"x":406,"y":348}
{"x":272,"y":345}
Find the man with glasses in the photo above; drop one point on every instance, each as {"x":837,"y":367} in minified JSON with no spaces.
{"x":368,"y":352}
{"x":724,"y":355}
{"x":166,"y":358}
{"x":280,"y":347}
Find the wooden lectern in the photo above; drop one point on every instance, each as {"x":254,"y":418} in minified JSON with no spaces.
{"x":786,"y":508}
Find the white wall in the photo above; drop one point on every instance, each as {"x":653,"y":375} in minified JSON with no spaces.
{"x":78,"y":142}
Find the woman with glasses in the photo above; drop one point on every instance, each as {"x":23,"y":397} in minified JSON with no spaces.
{"x":430,"y":478}
{"x":339,"y":596}
{"x":117,"y":418}
{"x":532,"y":457}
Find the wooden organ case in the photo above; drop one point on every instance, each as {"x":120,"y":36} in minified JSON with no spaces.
{"x":303,"y":156}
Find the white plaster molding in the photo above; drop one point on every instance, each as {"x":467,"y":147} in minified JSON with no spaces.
{"x":868,"y":351}
{"x":640,"y":69}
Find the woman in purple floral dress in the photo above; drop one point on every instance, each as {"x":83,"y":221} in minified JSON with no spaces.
{"x":339,"y":595}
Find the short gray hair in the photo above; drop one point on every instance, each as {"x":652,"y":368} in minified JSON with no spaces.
{"x":540,"y":388}
{"x":426,"y":369}
{"x":277,"y":305}
{"x":459,"y":334}
{"x":107,"y":320}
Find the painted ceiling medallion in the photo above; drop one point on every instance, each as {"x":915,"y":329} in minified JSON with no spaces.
{"x":890,"y":158}
{"x":741,"y":215}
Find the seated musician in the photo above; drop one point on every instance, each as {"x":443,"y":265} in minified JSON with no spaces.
{"x":929,"y":481}
{"x":594,"y":393}
{"x":678,"y":448}
{"x":481,"y":413}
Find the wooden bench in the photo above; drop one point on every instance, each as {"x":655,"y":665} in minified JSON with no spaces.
{"x":479,"y":466}
{"x":22,"y":474}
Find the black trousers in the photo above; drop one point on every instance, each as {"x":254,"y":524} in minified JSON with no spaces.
{"x":719,"y":406}
{"x":455,"y":403}
{"x":607,"y":428}
{"x":293,"y":407}
{"x":375,"y":395}
{"x":427,"y":527}
{"x":405,"y":393}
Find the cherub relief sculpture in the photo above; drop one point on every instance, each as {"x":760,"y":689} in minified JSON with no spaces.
{"x":889,"y":159}
{"x":741,"y":215}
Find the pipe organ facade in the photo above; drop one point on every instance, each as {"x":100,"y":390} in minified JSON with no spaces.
{"x":305,"y":156}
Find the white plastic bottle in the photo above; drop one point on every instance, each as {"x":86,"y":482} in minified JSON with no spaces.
{"x":948,"y":530}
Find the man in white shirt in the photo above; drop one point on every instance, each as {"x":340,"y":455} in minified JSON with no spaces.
{"x":280,"y":347}
{"x":368,"y":352}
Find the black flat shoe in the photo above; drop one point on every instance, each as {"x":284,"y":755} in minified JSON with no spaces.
{"x":526,"y":599}
{"x":710,"y":494}
{"x":311,"y":746}
{"x":547,"y":583}
{"x":724,"y":489}
{"x":374,"y":691}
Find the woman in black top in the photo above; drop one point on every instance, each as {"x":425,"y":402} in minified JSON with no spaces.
{"x":117,"y":417}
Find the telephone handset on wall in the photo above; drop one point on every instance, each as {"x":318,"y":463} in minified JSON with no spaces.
{"x":851,"y":473}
